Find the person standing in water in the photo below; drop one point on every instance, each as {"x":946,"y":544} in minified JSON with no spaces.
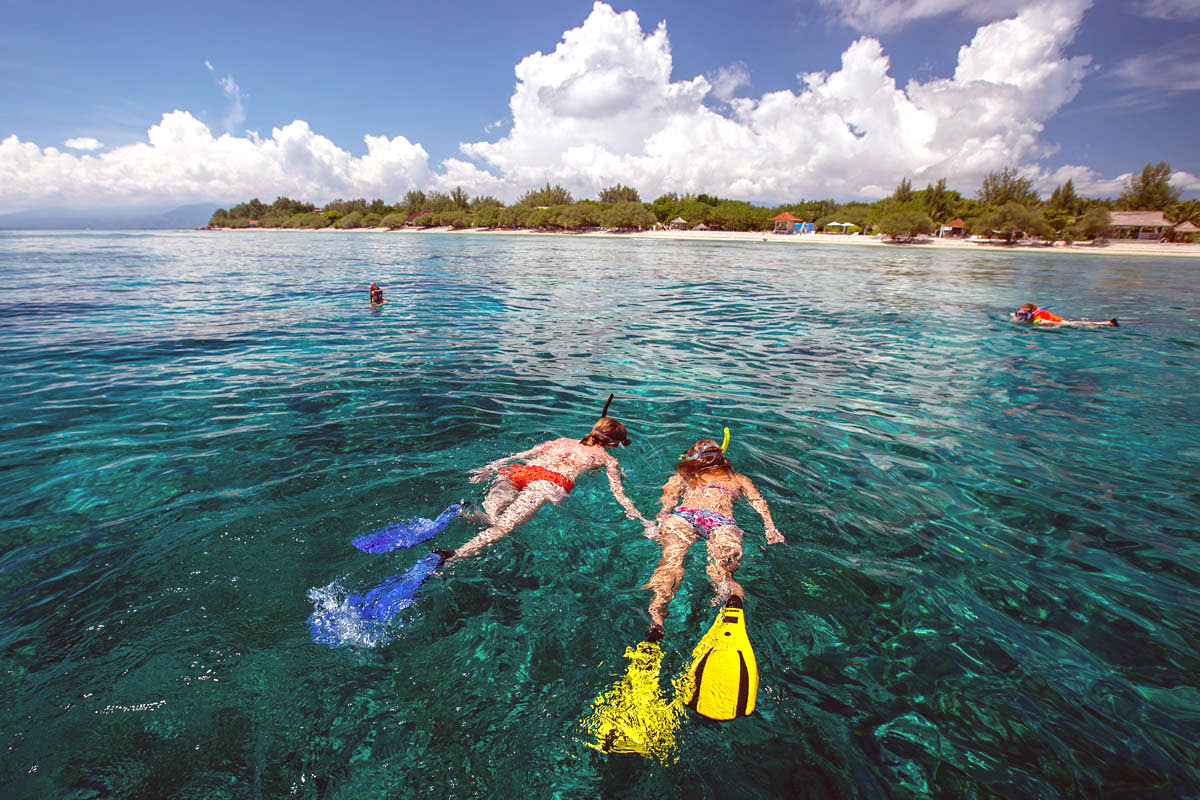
{"x":376,"y":295}
{"x":547,"y":474}
{"x":708,"y":485}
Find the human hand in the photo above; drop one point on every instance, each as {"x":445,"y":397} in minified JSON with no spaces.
{"x":478,"y":475}
{"x":774,"y":536}
{"x":649,"y":529}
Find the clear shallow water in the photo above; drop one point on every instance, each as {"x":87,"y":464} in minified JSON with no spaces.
{"x":989,"y":586}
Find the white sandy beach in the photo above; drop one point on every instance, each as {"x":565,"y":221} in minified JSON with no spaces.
{"x":1107,"y":247}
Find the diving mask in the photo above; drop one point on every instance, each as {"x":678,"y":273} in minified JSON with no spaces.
{"x":708,"y":449}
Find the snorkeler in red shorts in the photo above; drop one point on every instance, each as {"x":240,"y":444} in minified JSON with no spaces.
{"x":547,"y":475}
{"x":1041,"y":316}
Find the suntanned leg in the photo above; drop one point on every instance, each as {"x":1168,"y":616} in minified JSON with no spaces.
{"x":724,"y":557}
{"x":674,"y":537}
{"x":526,"y":504}
{"x":499,"y":497}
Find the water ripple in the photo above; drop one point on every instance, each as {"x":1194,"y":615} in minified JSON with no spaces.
{"x":989,"y":586}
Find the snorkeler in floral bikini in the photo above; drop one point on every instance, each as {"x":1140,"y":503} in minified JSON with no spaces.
{"x":709,"y":485}
{"x":547,"y":475}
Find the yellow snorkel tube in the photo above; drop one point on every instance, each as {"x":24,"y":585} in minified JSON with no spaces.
{"x":708,"y":449}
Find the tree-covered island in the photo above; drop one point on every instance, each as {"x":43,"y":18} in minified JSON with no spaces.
{"x":1005,"y":207}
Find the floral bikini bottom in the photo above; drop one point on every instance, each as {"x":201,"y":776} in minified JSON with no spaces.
{"x":703,"y":521}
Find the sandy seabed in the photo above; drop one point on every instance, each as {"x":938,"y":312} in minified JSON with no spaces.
{"x":1107,"y":247}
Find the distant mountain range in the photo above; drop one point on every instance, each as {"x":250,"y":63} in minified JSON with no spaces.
{"x":195,"y":215}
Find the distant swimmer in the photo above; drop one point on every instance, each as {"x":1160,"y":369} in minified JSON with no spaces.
{"x":376,"y":295}
{"x":1036,"y":315}
{"x":547,"y":474}
{"x":708,"y":485}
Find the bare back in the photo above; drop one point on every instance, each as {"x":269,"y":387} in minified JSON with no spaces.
{"x":569,"y":458}
{"x":715,"y":490}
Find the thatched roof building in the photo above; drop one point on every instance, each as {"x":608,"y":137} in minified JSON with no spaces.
{"x":1186,"y":231}
{"x":1138,"y":224}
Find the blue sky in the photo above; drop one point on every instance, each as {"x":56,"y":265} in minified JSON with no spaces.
{"x":1113,"y":87}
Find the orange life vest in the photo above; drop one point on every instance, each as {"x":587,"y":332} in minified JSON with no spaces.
{"x":1045,"y":316}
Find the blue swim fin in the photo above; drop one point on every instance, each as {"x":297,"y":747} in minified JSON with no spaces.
{"x":396,"y":593}
{"x":407,"y":533}
{"x":362,"y":620}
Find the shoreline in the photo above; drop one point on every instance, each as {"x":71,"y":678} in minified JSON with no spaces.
{"x":1111,"y":247}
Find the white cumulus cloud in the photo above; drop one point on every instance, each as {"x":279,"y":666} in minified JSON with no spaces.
{"x":729,"y":79}
{"x":86,"y":143}
{"x":182,"y":161}
{"x":602,"y":108}
{"x":1090,"y":183}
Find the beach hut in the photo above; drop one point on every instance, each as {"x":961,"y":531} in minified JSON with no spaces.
{"x":679,"y":224}
{"x":1137,"y":225}
{"x":952,"y":229}
{"x":1186,"y":231}
{"x":786,"y":223}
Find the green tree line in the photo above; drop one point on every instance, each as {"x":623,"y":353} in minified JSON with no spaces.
{"x":1005,"y":205}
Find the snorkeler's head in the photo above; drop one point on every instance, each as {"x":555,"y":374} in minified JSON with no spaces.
{"x":704,"y":455}
{"x":1025,"y":312}
{"x":607,"y":432}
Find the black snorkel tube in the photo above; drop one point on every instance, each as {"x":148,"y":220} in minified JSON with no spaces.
{"x":604,"y":437}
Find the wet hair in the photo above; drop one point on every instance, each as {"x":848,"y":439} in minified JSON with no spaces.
{"x":608,"y":432}
{"x":703,"y":456}
{"x":1028,"y":308}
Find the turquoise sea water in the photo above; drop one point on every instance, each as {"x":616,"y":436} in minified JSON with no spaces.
{"x":989,"y":586}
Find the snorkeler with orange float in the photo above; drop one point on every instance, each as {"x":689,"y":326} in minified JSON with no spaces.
{"x":1036,"y":315}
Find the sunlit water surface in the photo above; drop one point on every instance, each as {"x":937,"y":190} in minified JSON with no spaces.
{"x":989,"y":585}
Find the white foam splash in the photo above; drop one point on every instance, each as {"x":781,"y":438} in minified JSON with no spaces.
{"x":338,"y":623}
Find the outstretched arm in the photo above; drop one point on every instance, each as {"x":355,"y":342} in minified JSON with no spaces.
{"x":670,"y":496}
{"x":613,"y":470}
{"x":757,"y":502}
{"x":479,"y":474}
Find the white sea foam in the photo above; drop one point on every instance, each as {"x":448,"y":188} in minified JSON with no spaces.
{"x":337,"y":622}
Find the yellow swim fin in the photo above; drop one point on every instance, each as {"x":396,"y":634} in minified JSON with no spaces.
{"x":634,"y":716}
{"x":723,"y":672}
